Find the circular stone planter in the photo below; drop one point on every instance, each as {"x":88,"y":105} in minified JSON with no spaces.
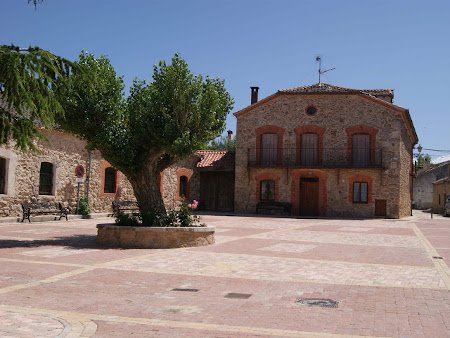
{"x":154,"y":237}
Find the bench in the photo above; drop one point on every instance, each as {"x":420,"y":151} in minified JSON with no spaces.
{"x":273,"y":208}
{"x":43,"y":208}
{"x":130,"y":207}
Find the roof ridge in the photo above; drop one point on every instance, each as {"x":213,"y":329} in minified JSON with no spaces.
{"x":326,"y":87}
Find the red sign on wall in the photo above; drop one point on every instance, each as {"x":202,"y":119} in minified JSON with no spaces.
{"x":79,"y":171}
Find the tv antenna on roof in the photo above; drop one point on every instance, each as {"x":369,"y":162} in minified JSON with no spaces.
{"x":319,"y":60}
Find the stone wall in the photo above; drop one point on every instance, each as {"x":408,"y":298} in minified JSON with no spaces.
{"x":65,"y":152}
{"x":171,"y":182}
{"x":423,"y":185}
{"x":440,"y":192}
{"x":335,"y":114}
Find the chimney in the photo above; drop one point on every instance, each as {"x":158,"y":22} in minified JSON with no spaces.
{"x":254,"y":97}
{"x":230,"y":135}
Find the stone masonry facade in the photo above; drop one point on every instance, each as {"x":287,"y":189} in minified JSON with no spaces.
{"x":21,"y":177}
{"x":332,"y":116}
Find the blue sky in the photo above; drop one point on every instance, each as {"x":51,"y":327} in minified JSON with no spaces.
{"x":403,"y":45}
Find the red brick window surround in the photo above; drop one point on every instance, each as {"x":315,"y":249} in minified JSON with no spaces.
{"x":310,"y":153}
{"x":109,"y":178}
{"x":267,"y":187}
{"x":184,"y":183}
{"x":274,"y":152}
{"x":358,"y":138}
{"x":360,"y":189}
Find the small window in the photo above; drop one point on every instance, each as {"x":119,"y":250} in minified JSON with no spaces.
{"x":311,"y":110}
{"x":46,"y":179}
{"x":267,"y":189}
{"x":2,"y":175}
{"x":110,"y":180}
{"x":360,"y":192}
{"x":183,"y":191}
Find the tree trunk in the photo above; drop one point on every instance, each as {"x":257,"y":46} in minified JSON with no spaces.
{"x":146,"y":189}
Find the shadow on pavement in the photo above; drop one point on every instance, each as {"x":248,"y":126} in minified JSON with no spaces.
{"x":71,"y":242}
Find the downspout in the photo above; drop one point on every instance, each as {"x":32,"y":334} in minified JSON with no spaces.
{"x":88,"y":174}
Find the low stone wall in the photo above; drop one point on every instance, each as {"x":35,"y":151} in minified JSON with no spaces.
{"x":154,"y":237}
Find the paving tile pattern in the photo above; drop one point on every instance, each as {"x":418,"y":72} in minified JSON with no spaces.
{"x":56,"y":282}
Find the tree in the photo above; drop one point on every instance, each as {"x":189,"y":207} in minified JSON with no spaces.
{"x":27,"y":100}
{"x":157,"y":124}
{"x":223,"y":143}
{"x":423,"y":160}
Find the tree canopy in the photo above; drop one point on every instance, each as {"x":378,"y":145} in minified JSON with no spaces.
{"x":28,"y":77}
{"x":158,"y":123}
{"x":423,"y":160}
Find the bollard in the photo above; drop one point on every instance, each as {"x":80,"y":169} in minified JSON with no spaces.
{"x":431,"y":214}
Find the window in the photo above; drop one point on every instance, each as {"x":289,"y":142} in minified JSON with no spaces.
{"x":46,"y":179}
{"x":361,"y":150}
{"x":267,"y":190}
{"x":110,"y":180}
{"x":183,"y":189}
{"x":311,"y":110}
{"x":2,"y":175}
{"x":360,"y":192}
{"x":309,"y":149}
{"x":269,"y":151}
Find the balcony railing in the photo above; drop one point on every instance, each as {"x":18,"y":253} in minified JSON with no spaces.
{"x":313,"y":158}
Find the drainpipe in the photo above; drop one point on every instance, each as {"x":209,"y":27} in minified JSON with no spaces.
{"x":88,"y":174}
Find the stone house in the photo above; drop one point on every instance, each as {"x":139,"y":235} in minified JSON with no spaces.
{"x":49,"y":175}
{"x":423,"y":184}
{"x":326,"y":150}
{"x":441,"y":190}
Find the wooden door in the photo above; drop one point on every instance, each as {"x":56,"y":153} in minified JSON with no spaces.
{"x":380,"y":208}
{"x":217,"y":191}
{"x":309,"y":197}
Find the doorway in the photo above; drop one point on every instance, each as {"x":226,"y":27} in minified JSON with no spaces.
{"x":217,"y":191}
{"x":380,"y":208}
{"x":309,"y":196}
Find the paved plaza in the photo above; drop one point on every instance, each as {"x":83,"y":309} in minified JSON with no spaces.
{"x":387,"y":278}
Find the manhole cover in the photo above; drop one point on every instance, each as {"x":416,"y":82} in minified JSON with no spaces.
{"x":186,"y":290}
{"x":321,"y":302}
{"x":238,"y":295}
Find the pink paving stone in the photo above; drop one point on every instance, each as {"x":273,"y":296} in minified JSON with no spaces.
{"x":378,"y":311}
{"x":13,"y":273}
{"x":329,"y":252}
{"x":363,"y":229}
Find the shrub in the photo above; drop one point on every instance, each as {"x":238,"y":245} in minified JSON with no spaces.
{"x":127,"y":220}
{"x":83,"y":206}
{"x":182,"y":217}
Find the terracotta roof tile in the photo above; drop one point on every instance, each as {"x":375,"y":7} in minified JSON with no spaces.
{"x":327,"y":88}
{"x":215,"y":159}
